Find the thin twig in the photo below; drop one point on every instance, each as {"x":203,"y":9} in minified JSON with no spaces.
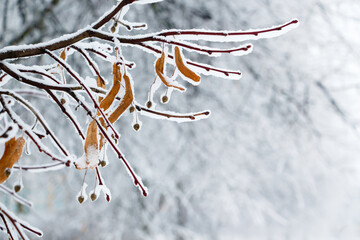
{"x":137,"y":181}
{"x":38,"y":116}
{"x":30,"y":134}
{"x":77,"y":77}
{"x":76,"y":125}
{"x":15,"y":196}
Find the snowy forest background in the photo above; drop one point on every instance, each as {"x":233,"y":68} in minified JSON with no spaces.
{"x":277,"y":159}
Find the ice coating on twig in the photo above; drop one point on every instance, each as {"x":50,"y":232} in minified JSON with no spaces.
{"x":82,"y":194}
{"x":8,"y":132}
{"x":41,"y":168}
{"x":28,"y":131}
{"x":229,"y":36}
{"x":146,"y":1}
{"x":14,"y":221}
{"x":16,"y":197}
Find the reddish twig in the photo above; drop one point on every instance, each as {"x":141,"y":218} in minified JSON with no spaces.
{"x":40,"y":73}
{"x":168,"y":115}
{"x":39,"y":168}
{"x":30,"y":134}
{"x":15,"y":196}
{"x":199,"y":65}
{"x":106,"y":56}
{"x":102,"y":21}
{"x":30,"y":81}
{"x":77,"y":77}
{"x":5,"y":213}
{"x":7,"y":227}
{"x":223,"y":33}
{"x":81,"y":51}
{"x":38,"y":116}
{"x":200,"y":49}
{"x":56,"y":100}
{"x":67,"y":40}
{"x":136,"y":179}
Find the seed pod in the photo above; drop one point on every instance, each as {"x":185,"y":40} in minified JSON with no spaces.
{"x":136,"y":126}
{"x":8,"y":172}
{"x":149,"y":104}
{"x":132,"y":109}
{"x":102,"y":163}
{"x":12,"y":153}
{"x":113,"y":29}
{"x":110,"y":97}
{"x":159,"y":68}
{"x":63,"y":101}
{"x":17,"y":188}
{"x":183,"y":68}
{"x":164,"y":99}
{"x":125,"y":101}
{"x":81,"y":199}
{"x":93,"y":197}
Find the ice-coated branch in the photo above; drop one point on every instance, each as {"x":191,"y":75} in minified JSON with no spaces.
{"x":38,"y":116}
{"x":64,"y":41}
{"x":178,"y":117}
{"x":63,"y":109}
{"x":204,"y":68}
{"x":108,"y":57}
{"x":173,"y":116}
{"x":41,"y":168}
{"x":16,"y":74}
{"x":77,"y":77}
{"x":89,"y":61}
{"x":17,"y":198}
{"x":93,"y":32}
{"x":43,"y":73}
{"x":137,"y":180}
{"x":228,"y":36}
{"x":9,"y":218}
{"x":28,"y":131}
{"x":108,"y":16}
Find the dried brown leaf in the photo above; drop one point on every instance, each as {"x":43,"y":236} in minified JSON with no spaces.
{"x":91,"y":148}
{"x":101,"y":84}
{"x":102,"y":139}
{"x":183,"y":68}
{"x":91,"y":136}
{"x":63,"y":55}
{"x":125,"y":101}
{"x":110,"y":97}
{"x":159,"y":68}
{"x":12,"y":153}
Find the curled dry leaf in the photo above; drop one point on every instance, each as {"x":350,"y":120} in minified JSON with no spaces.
{"x":102,"y":139}
{"x":159,"y":68}
{"x":101,"y":84}
{"x":110,"y":97}
{"x":125,"y":101}
{"x":183,"y":68}
{"x":63,"y":55}
{"x":90,"y":159}
{"x":106,"y":102}
{"x":12,"y":153}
